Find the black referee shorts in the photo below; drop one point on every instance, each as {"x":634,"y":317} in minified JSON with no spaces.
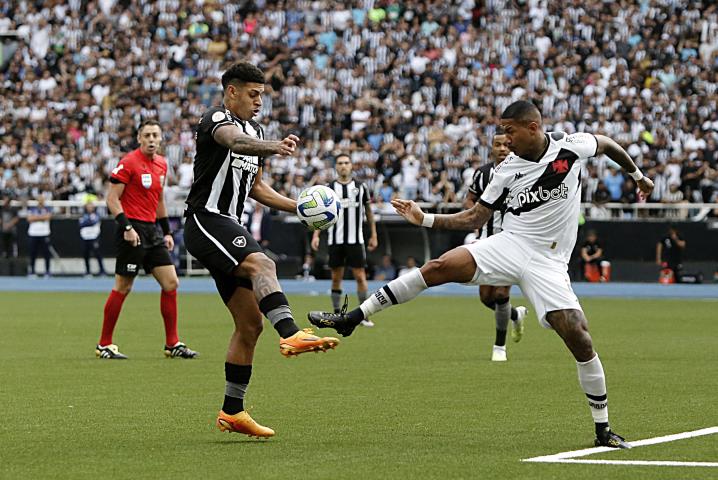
{"x":352,"y":255}
{"x":220,"y":244}
{"x":150,"y":253}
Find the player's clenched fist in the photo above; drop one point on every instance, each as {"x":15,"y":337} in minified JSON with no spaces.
{"x":288,"y":145}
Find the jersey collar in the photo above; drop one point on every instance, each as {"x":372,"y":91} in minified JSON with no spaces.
{"x":145,"y":157}
{"x":548,"y":144}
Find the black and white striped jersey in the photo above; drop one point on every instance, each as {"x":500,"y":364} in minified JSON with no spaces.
{"x":349,"y":229}
{"x":222,"y":178}
{"x":542,"y":198}
{"x":482,"y":177}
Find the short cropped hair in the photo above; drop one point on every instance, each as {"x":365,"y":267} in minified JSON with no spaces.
{"x":521,"y":111}
{"x":148,"y":123}
{"x":336,"y":159}
{"x":242,"y":72}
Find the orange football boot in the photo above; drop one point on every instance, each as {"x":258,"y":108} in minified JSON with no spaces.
{"x":305,"y":341}
{"x":242,"y":423}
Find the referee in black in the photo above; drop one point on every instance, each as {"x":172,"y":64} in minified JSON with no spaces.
{"x":227,"y":169}
{"x":346,"y":237}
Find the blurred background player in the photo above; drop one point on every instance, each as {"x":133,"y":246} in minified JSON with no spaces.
{"x":538,"y":187}
{"x":90,"y":229}
{"x":38,"y":233}
{"x":496,"y":298}
{"x":594,"y":266}
{"x":669,"y":252}
{"x":228,"y":169}
{"x":346,"y":237}
{"x":136,"y":201}
{"x":9,"y":218}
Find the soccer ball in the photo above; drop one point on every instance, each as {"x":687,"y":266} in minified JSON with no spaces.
{"x":318,"y":207}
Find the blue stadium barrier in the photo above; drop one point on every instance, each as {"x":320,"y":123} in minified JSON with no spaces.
{"x":322,"y":287}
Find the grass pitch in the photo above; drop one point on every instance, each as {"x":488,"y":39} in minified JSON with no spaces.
{"x":414,"y":397}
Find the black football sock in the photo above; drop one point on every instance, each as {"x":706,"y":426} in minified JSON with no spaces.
{"x":336,"y":299}
{"x":275,"y":307}
{"x":237,"y":379}
{"x":502,"y":314}
{"x":356,"y":315}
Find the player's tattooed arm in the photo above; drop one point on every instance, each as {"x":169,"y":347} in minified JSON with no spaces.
{"x":240,"y":143}
{"x":266,"y":195}
{"x":471,"y":219}
{"x":615,"y":152}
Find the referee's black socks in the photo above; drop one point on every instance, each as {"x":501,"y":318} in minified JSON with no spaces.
{"x":275,"y":307}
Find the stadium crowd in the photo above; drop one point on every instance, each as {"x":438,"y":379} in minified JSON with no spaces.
{"x":413,"y":90}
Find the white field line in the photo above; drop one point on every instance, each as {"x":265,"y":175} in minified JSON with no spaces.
{"x":568,"y":457}
{"x":647,"y":463}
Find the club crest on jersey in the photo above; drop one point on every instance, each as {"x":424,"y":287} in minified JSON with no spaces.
{"x":239,"y":242}
{"x":560,"y":166}
{"x":541,"y":195}
{"x":218,"y":116}
{"x":146,"y":180}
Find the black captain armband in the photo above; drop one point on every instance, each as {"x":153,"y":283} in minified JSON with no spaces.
{"x":165,"y":225}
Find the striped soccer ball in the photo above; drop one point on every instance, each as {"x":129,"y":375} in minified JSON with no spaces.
{"x":318,"y":207}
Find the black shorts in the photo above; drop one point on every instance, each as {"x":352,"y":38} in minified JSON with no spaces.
{"x":220,"y":244}
{"x":353,"y":256}
{"x":150,"y":253}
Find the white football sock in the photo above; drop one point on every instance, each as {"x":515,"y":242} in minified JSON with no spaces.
{"x":593,"y":382}
{"x":400,"y":290}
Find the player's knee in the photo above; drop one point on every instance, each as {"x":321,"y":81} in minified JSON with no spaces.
{"x":249,"y":332}
{"x":123,"y":289}
{"x":170,"y":284}
{"x":261,"y":265}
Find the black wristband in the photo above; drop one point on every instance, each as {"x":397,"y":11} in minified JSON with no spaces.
{"x":122,"y":221}
{"x":165,"y":225}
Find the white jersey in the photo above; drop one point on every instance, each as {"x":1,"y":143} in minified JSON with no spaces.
{"x":542,"y":198}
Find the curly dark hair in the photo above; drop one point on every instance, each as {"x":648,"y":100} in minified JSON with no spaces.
{"x":242,"y":72}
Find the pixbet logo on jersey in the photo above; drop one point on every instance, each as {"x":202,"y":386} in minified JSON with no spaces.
{"x":541,"y":195}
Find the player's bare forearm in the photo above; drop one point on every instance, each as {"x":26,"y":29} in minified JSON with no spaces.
{"x":469,"y":201}
{"x":233,"y":138}
{"x":161,"y":208}
{"x":265,"y":195}
{"x":113,"y":198}
{"x":607,"y":146}
{"x":370,"y":220}
{"x":471,"y":219}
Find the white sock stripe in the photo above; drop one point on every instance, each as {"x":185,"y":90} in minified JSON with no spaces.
{"x":214,"y":240}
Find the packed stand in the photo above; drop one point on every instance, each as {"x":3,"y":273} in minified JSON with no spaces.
{"x":413,"y":90}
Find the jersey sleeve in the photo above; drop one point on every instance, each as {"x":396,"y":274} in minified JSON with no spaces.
{"x":583,"y":144}
{"x":475,"y":186}
{"x":213,"y":119}
{"x":122,"y":173}
{"x":496,"y":191}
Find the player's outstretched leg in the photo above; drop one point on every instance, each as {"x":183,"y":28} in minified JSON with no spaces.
{"x":261,"y":270}
{"x":456,"y":265}
{"x":572,"y":327}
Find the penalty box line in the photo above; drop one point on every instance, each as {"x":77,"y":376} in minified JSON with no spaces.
{"x":571,"y":457}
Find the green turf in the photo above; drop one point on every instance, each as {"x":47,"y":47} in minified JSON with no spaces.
{"x":415,"y":397}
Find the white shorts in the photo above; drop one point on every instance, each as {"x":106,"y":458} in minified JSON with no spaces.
{"x":506,"y":259}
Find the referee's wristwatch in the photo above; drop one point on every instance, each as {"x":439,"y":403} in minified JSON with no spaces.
{"x":128,"y":228}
